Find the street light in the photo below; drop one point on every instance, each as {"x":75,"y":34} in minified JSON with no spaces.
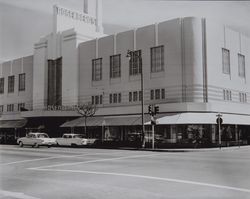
{"x":138,"y":56}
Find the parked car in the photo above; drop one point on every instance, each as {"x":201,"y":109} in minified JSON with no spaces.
{"x":75,"y":140}
{"x":36,"y":140}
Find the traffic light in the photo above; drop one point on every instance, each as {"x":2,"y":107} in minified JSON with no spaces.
{"x":156,"y":110}
{"x":150,"y":109}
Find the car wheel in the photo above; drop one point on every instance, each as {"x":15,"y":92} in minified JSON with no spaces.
{"x":36,"y":145}
{"x":21,"y":144}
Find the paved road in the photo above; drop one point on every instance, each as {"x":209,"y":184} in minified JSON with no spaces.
{"x":68,"y":173}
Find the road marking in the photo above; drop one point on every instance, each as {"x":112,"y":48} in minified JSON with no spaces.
{"x":16,"y":195}
{"x":148,"y":177}
{"x":93,"y":161}
{"x":56,"y":157}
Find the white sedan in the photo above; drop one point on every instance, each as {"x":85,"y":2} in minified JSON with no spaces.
{"x":36,"y":140}
{"x":75,"y":140}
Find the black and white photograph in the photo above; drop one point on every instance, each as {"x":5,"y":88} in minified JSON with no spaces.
{"x":124,"y":99}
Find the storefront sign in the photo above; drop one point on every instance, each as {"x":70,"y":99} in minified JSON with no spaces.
{"x":62,"y":108}
{"x":75,"y":15}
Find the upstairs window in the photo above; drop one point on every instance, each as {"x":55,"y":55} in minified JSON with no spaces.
{"x":157,"y":59}
{"x":97,"y":69}
{"x":21,"y":86}
{"x":225,"y":61}
{"x":2,"y":85}
{"x":135,"y":65}
{"x":115,"y":66}
{"x":11,"y":84}
{"x":241,"y":65}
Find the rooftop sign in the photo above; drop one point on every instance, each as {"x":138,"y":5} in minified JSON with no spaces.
{"x":75,"y":15}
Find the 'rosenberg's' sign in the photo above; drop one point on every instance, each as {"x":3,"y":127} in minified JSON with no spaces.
{"x":62,"y":108}
{"x":75,"y":15}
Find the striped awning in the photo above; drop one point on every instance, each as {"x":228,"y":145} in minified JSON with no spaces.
{"x":12,"y":123}
{"x":127,"y":120}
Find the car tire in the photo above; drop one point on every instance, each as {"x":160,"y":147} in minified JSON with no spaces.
{"x":21,"y":144}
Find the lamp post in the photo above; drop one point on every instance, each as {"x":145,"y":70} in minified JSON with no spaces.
{"x":138,"y":56}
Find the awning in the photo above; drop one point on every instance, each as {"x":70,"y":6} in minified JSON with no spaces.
{"x":201,"y":118}
{"x":105,"y":121}
{"x":12,"y":123}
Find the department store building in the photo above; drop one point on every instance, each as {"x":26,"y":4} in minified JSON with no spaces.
{"x":193,"y":69}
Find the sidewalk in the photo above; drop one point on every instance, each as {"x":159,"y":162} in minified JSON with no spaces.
{"x":232,"y":148}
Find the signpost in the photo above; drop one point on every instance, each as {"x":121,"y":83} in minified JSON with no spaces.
{"x":219,"y":121}
{"x":153,"y":110}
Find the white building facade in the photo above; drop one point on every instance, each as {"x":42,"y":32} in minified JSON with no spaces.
{"x":192,"y":68}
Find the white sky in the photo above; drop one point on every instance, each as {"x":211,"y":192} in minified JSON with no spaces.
{"x":118,"y":15}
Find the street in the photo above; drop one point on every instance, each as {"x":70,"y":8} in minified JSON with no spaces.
{"x":84,"y":173}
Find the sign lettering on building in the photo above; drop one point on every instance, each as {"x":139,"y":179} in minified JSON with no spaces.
{"x":62,"y":108}
{"x":75,"y":15}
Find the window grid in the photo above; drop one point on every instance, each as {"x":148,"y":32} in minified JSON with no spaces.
{"x":241,"y":65}
{"x":21,"y":85}
{"x":135,"y":65}
{"x":10,"y":107}
{"x":11,"y":84}
{"x":157,"y":59}
{"x":2,"y":85}
{"x":97,"y":69}
{"x":225,"y":61}
{"x":1,"y":108}
{"x":115,"y":66}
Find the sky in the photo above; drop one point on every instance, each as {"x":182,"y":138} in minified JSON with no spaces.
{"x":19,"y":28}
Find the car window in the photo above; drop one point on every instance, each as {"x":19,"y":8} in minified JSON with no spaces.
{"x":42,"y":135}
{"x":78,"y":136}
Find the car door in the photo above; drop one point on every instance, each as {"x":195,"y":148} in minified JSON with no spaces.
{"x":29,"y":139}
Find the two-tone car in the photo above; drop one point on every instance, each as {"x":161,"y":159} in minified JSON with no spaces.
{"x":36,"y":139}
{"x":75,"y":140}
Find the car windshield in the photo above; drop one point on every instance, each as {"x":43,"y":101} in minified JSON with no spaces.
{"x":42,"y":135}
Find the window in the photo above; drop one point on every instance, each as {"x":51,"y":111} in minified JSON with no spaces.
{"x":1,"y":108}
{"x":225,"y":61}
{"x":97,"y":99}
{"x":97,"y":69}
{"x":21,"y":82}
{"x":135,"y":98}
{"x":152,"y":94}
{"x":241,"y":65}
{"x":162,"y":93}
{"x":11,"y":84}
{"x":10,"y":107}
{"x":227,"y":95}
{"x":157,"y":59}
{"x":119,"y":98}
{"x":243,"y":97}
{"x":157,"y":94}
{"x":115,"y":98}
{"x":115,"y":66}
{"x":110,"y":98}
{"x":21,"y":105}
{"x":140,"y":95}
{"x":100,"y":99}
{"x":135,"y":65}
{"x":2,"y":85}
{"x":130,"y":96}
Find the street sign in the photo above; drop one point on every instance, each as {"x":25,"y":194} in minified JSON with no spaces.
{"x":219,"y":120}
